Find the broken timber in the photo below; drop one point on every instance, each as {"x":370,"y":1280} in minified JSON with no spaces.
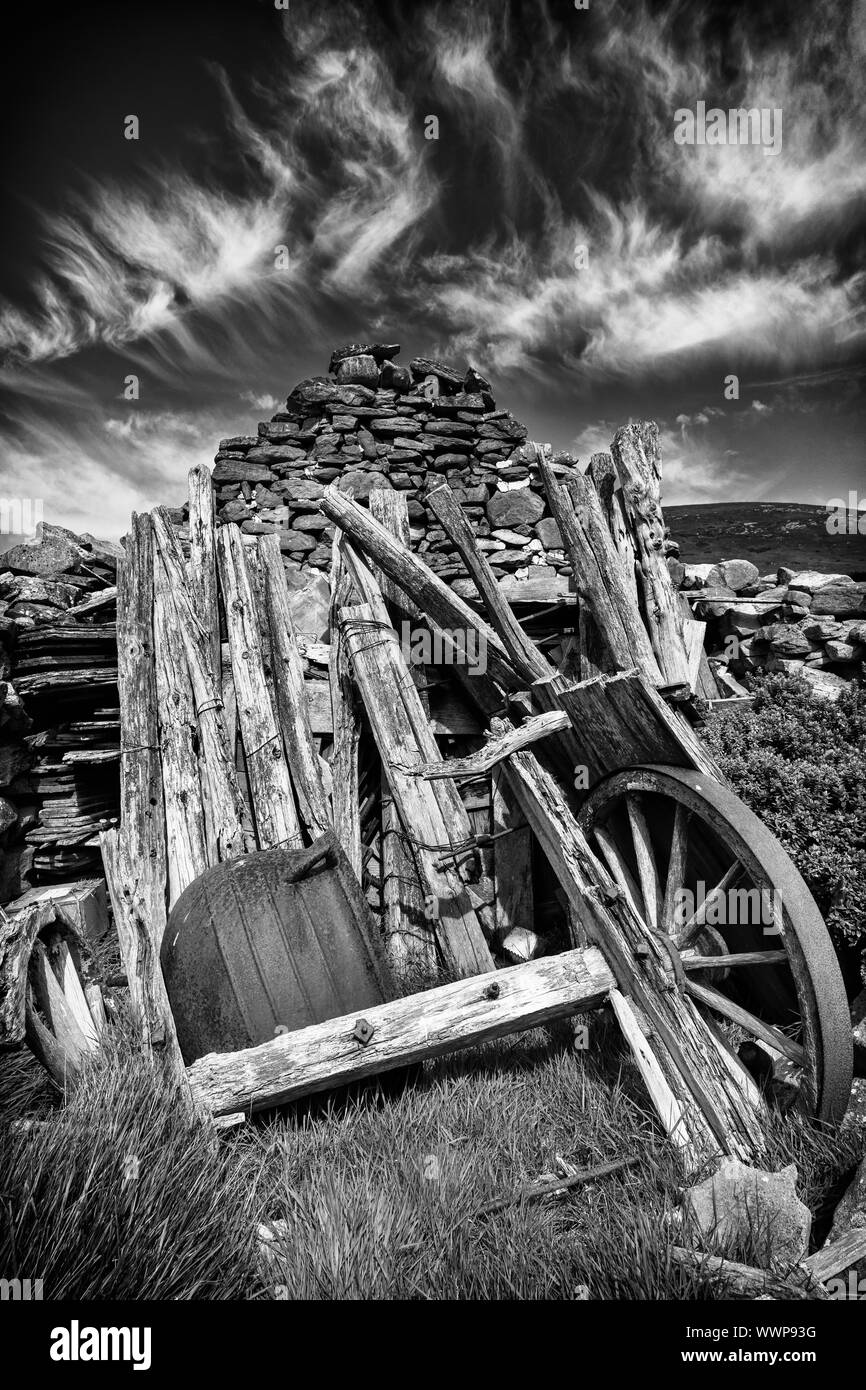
{"x":273,"y":802}
{"x":406,"y":1030}
{"x":288,"y":676}
{"x":135,"y":855}
{"x":433,"y":816}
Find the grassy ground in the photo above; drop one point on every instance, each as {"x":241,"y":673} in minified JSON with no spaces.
{"x":119,"y":1195}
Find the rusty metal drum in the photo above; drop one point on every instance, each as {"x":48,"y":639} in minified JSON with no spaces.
{"x":267,"y":942}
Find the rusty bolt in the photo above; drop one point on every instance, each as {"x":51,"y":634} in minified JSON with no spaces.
{"x":363,"y":1031}
{"x":491,"y":992}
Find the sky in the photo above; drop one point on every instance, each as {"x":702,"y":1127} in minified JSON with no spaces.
{"x":283,"y":197}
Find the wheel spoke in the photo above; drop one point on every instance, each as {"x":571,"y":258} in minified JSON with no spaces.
{"x":618,"y":868}
{"x":696,"y":921}
{"x":646,"y":864}
{"x":734,"y":961}
{"x":758,"y":1029}
{"x":676,"y":866}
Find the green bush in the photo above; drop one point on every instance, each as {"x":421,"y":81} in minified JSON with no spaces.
{"x":800,"y":763}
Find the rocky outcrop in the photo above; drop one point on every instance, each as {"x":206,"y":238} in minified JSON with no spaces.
{"x":801,"y":622}
{"x":59,"y":722}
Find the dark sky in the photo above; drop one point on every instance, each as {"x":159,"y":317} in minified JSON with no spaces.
{"x":305,"y":128}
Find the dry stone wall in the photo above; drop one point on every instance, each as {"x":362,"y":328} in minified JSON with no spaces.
{"x":375,"y":424}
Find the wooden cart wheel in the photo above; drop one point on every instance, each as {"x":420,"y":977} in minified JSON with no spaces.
{"x":756,"y":951}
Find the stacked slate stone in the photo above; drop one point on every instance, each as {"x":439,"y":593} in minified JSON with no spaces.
{"x":801,"y":622}
{"x":371,"y":424}
{"x":59,"y":717}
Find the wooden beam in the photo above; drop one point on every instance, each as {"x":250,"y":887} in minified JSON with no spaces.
{"x":622,"y":721}
{"x":432,"y":814}
{"x":227,"y":824}
{"x":270,"y":784}
{"x":134,"y":856}
{"x":719,"y":1113}
{"x":441,"y":606}
{"x":410,"y":936}
{"x":637,"y":456}
{"x":178,"y":737}
{"x":413,"y":1029}
{"x":202,"y":562}
{"x":493,"y":752}
{"x":744,"y":1281}
{"x":598,"y":572}
{"x":288,"y":676}
{"x":345,"y":725}
{"x":525,"y":657}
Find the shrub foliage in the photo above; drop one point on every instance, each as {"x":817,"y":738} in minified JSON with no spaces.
{"x":800,"y":763}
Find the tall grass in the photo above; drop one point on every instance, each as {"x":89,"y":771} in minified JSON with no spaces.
{"x":375,"y":1194}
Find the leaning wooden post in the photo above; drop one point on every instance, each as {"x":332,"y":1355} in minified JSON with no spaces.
{"x":202,"y":562}
{"x":184,"y":816}
{"x":525,"y":657}
{"x":288,"y":675}
{"x":440,"y":605}
{"x":599,"y":572}
{"x":135,"y":855}
{"x":410,"y":943}
{"x":227,"y":823}
{"x":440,"y":829}
{"x":637,"y":456}
{"x":270,"y":785}
{"x":345,"y":795}
{"x":705,"y":1104}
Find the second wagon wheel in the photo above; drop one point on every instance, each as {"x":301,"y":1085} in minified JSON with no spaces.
{"x":699,"y":866}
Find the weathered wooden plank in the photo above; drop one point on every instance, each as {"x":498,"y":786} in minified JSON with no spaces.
{"x":441,"y":606}
{"x":622,"y":721}
{"x":432,"y":814}
{"x":667,"y":1107}
{"x":744,"y":1281}
{"x":202,"y":562}
{"x":637,"y":457}
{"x":227,"y":824}
{"x":848,"y":1251}
{"x":345,"y":724}
{"x":288,"y":676}
{"x":135,"y":856}
{"x":598,"y":572}
{"x":178,"y":736}
{"x":274,"y":810}
{"x":719,"y":1113}
{"x":101,"y":599}
{"x":412,"y":1029}
{"x":525,"y":657}
{"x":409,"y":934}
{"x":493,"y":752}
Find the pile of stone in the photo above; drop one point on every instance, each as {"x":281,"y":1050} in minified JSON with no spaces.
{"x":374,"y":424}
{"x":802,"y":622}
{"x":59,"y":718}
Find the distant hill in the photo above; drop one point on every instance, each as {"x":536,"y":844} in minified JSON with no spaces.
{"x":767,"y":533}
